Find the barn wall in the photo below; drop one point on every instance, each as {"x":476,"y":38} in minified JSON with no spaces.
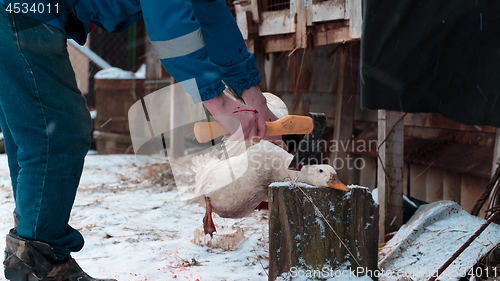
{"x":307,"y":80}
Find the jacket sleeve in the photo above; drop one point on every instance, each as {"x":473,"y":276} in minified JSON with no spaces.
{"x":177,"y":38}
{"x":225,"y":44}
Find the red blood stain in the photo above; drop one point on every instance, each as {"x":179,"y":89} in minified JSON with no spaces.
{"x":251,"y":110}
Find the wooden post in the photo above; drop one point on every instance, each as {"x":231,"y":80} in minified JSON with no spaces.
{"x":347,"y":88}
{"x":153,"y":67}
{"x":300,"y":238}
{"x":434,"y":185}
{"x":451,"y":186}
{"x":301,"y":29}
{"x":177,"y":141}
{"x":353,"y":13}
{"x":390,"y":194}
{"x":406,"y":178}
{"x":470,"y":191}
{"x":496,"y":153}
{"x":368,"y":175}
{"x":417,"y":182}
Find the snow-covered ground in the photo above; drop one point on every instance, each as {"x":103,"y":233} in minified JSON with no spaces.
{"x":136,"y":229}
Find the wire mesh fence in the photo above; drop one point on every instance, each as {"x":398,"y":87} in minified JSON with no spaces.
{"x":122,"y":50}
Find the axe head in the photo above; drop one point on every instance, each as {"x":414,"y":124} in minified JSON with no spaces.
{"x":310,"y":149}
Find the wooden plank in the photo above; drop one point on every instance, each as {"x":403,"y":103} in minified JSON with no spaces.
{"x":309,"y":12}
{"x":451,"y":186}
{"x":301,"y":27}
{"x":241,"y":21}
{"x":438,"y":121}
{"x":328,"y":11}
{"x":177,"y":141}
{"x":354,"y":169}
{"x":260,"y":58}
{"x":279,"y":43}
{"x":470,"y":191}
{"x":390,"y":195}
{"x":278,"y":22}
{"x":326,"y":36}
{"x":368,"y":174}
{"x":344,"y":115}
{"x":153,"y":66}
{"x":465,"y":137}
{"x":433,"y":185}
{"x":406,"y":178}
{"x":417,"y":181}
{"x":251,"y":6}
{"x":496,"y":152}
{"x":250,"y":45}
{"x":354,"y":15}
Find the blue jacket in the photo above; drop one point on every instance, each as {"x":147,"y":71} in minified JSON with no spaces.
{"x":193,"y":39}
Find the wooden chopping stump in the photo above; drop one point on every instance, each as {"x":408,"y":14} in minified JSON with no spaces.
{"x":300,"y":241}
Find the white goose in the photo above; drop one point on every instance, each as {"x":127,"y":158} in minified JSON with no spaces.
{"x":232,"y":182}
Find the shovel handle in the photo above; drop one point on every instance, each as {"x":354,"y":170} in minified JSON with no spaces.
{"x":288,"y":125}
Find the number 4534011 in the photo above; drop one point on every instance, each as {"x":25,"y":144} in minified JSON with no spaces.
{"x":39,"y":8}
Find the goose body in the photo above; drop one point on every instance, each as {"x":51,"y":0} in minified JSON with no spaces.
{"x":252,"y":171}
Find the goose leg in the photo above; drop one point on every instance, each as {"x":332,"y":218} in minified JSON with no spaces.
{"x":208,"y":223}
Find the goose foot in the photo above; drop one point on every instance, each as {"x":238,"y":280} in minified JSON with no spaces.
{"x":208,"y":223}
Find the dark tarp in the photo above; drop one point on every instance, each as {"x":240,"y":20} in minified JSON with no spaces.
{"x":432,"y":56}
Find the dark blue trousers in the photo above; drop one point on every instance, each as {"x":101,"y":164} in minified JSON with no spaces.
{"x":46,"y":125}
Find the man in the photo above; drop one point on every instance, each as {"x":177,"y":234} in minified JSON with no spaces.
{"x":46,"y":123}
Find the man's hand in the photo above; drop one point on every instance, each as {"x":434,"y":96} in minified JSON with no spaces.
{"x":254,"y":97}
{"x":244,"y":121}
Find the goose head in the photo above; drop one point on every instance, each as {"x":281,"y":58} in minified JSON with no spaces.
{"x":321,"y":175}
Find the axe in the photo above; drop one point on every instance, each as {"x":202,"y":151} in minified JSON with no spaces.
{"x":288,"y":125}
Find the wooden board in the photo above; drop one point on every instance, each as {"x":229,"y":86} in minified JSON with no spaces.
{"x":326,"y":36}
{"x":417,"y":182}
{"x":451,"y":186}
{"x":434,"y":185}
{"x":328,"y":11}
{"x":353,"y":14}
{"x":390,"y":183}
{"x":496,"y":152}
{"x":279,"y":43}
{"x":278,"y":22}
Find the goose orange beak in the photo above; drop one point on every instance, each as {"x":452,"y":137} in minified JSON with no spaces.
{"x":335,"y":183}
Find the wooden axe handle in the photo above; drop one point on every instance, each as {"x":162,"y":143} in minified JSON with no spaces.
{"x":288,"y":125}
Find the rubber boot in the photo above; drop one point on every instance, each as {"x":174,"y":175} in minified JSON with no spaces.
{"x":27,"y":260}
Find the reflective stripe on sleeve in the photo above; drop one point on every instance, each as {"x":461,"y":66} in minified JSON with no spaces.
{"x":179,"y":46}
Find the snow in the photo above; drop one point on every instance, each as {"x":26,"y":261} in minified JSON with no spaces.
{"x":418,"y":250}
{"x":375,"y":198}
{"x":290,"y":184}
{"x":135,"y":230}
{"x":90,"y":54}
{"x":118,"y":73}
